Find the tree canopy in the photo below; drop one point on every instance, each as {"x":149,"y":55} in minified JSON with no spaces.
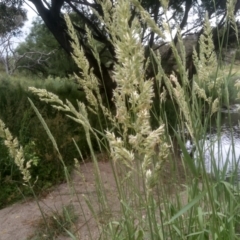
{"x":187,"y":15}
{"x":41,"y":54}
{"x":12,"y":17}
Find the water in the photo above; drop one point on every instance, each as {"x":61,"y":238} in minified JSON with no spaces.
{"x":221,"y":151}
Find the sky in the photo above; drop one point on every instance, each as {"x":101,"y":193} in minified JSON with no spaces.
{"x":31,"y":15}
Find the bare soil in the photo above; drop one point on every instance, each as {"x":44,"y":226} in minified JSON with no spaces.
{"x":19,"y":221}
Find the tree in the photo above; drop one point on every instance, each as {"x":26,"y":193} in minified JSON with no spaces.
{"x":12,"y":17}
{"x":6,"y":52}
{"x":11,"y":20}
{"x":178,"y":15}
{"x":41,"y":54}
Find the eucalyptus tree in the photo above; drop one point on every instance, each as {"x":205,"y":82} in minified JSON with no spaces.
{"x":12,"y":17}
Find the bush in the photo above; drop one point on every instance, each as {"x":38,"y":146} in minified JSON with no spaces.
{"x":22,"y":121}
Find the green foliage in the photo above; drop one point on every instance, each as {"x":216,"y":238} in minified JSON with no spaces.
{"x":166,"y":111}
{"x":11,"y":187}
{"x":12,"y":17}
{"x":43,"y":55}
{"x":227,"y":91}
{"x":15,"y":110}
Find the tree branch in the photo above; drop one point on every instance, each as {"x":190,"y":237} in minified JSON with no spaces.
{"x":56,"y":6}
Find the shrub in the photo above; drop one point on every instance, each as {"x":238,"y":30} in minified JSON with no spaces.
{"x":16,"y":111}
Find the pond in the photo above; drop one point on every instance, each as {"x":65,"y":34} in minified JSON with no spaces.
{"x":221,"y":150}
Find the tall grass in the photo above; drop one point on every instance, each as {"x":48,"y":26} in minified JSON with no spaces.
{"x":205,"y":206}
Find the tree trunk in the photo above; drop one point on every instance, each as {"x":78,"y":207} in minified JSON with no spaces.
{"x":56,"y":24}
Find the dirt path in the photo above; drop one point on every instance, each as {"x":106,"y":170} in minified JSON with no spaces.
{"x":19,"y":221}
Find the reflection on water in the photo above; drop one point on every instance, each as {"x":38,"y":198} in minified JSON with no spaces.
{"x":221,"y":151}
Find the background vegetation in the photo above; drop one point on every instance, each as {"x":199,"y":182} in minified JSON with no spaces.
{"x":24,"y":124}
